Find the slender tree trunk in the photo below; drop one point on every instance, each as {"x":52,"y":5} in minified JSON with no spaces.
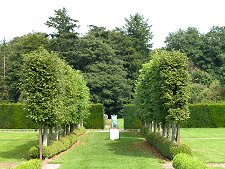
{"x":78,"y":125}
{"x":164,"y":130}
{"x":150,"y":126}
{"x":50,"y":134}
{"x":178,"y":133}
{"x":168,"y":131}
{"x":173,"y":133}
{"x":45,"y":135}
{"x":56,"y":132}
{"x":71,"y":128}
{"x":40,"y":139}
{"x":155,"y":127}
{"x":159,"y":129}
{"x":64,"y":130}
{"x":67,"y":129}
{"x":81,"y":122}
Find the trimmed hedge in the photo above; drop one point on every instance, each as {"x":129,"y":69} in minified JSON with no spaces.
{"x":31,"y":164}
{"x":57,"y":146}
{"x":96,"y":118}
{"x":166,"y":147}
{"x":184,"y":161}
{"x":131,"y":121}
{"x":206,"y":116}
{"x":12,"y":116}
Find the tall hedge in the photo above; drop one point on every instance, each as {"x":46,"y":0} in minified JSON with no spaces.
{"x":96,"y":117}
{"x":131,"y":120}
{"x":206,"y":116}
{"x":12,"y":116}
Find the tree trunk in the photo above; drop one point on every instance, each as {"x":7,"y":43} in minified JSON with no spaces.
{"x":159,"y":129}
{"x":164,"y":130}
{"x":67,"y":129}
{"x":178,"y":133}
{"x":50,"y":135}
{"x":40,"y":140}
{"x":155,"y":127}
{"x":150,"y":125}
{"x":71,"y":128}
{"x":64,"y":130}
{"x":56,"y":132}
{"x":168,"y":131}
{"x":81,"y":122}
{"x":45,"y":135}
{"x":173,"y":133}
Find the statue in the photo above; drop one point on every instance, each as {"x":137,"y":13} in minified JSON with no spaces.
{"x":114,"y":121}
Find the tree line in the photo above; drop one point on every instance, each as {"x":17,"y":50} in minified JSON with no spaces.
{"x":110,"y":60}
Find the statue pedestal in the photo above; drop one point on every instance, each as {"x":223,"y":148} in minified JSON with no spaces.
{"x":114,"y":134}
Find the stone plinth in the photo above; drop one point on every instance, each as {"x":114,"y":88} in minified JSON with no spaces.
{"x":114,"y":134}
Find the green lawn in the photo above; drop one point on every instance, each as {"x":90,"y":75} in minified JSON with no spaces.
{"x":14,"y":146}
{"x":96,"y":151}
{"x":208,"y":144}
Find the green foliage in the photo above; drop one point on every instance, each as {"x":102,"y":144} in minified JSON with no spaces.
{"x":55,"y":93}
{"x":57,"y":146}
{"x":131,"y":121}
{"x":31,"y":164}
{"x":162,"y":88}
{"x":206,"y":115}
{"x":166,"y":147}
{"x":96,"y":118}
{"x":12,"y":116}
{"x":184,"y":161}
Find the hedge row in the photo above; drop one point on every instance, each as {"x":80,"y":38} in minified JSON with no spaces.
{"x":206,"y":116}
{"x":57,"y":146}
{"x":31,"y":164}
{"x":131,"y":121}
{"x":184,"y":161}
{"x":96,"y":118}
{"x":12,"y":116}
{"x":166,"y":147}
{"x":201,"y":116}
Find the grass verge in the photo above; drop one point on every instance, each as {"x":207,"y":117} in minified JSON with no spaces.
{"x":96,"y":151}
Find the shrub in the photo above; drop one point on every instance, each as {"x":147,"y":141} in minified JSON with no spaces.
{"x":12,"y":116}
{"x":166,"y":147}
{"x":96,"y":118}
{"x":206,"y":116}
{"x":31,"y":164}
{"x":57,"y":146}
{"x":131,"y":121}
{"x":185,"y":161}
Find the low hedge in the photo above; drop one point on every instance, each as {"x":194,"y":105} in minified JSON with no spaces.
{"x":166,"y":147}
{"x":206,"y":116}
{"x":31,"y":164}
{"x":131,"y":121}
{"x":12,"y":116}
{"x":184,"y":161}
{"x":57,"y":146}
{"x":96,"y":118}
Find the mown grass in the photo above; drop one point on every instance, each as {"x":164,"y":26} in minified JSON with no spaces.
{"x":96,"y":151}
{"x":14,"y":146}
{"x":207,"y":143}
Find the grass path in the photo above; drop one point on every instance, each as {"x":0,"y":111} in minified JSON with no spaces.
{"x":96,"y":151}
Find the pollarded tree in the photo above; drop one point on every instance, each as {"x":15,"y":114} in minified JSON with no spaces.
{"x":42,"y":88}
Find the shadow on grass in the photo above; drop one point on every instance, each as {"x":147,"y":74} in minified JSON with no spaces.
{"x":130,"y":144}
{"x":16,"y":150}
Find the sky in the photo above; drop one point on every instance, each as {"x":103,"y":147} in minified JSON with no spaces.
{"x":19,"y":17}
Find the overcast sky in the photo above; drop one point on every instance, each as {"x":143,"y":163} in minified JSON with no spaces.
{"x":19,"y":17}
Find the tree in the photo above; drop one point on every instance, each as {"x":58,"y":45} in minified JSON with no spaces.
{"x":162,"y":90}
{"x":65,"y":37}
{"x":188,"y":41}
{"x":139,"y":30}
{"x":13,"y":52}
{"x":4,"y":74}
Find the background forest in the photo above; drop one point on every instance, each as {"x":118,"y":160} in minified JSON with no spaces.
{"x":110,"y":60}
